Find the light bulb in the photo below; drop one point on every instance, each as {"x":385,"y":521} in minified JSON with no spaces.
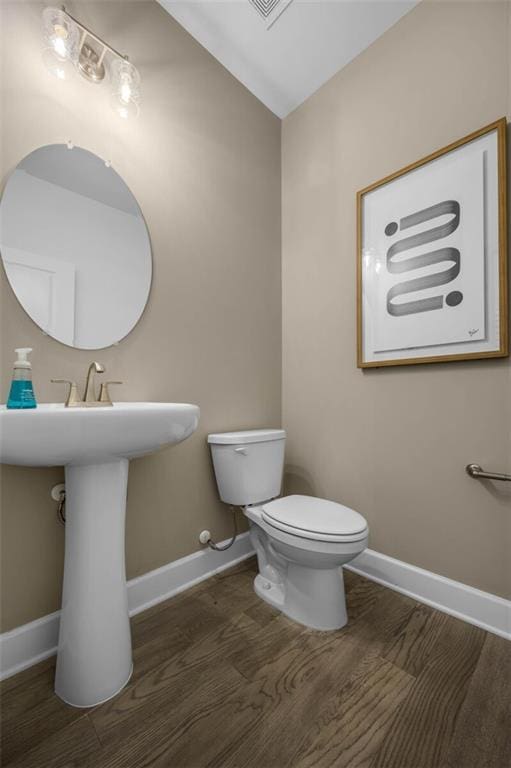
{"x":59,"y":40}
{"x":126,"y":93}
{"x":125,"y":109}
{"x":59,"y":46}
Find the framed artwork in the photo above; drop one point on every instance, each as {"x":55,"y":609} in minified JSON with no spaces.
{"x":432,"y":257}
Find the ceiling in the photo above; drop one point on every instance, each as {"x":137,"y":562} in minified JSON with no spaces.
{"x":284,"y":51}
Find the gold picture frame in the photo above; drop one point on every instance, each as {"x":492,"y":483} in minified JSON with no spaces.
{"x":373,"y":271}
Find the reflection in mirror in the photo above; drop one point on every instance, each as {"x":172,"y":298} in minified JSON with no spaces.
{"x":75,"y":247}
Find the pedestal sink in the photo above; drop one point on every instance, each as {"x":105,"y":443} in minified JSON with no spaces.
{"x":94,"y":659}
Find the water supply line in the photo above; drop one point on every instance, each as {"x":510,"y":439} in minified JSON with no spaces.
{"x":205,"y":537}
{"x":61,"y":505}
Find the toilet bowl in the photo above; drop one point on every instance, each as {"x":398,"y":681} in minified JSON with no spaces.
{"x":301,"y":542}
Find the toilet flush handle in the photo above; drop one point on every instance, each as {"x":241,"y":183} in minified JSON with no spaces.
{"x":241,"y":450}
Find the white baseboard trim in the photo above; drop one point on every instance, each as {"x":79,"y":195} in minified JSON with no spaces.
{"x":27,"y":645}
{"x":156,"y":586}
{"x":483,"y":609}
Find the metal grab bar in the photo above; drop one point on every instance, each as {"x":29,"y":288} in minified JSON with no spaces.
{"x":474,"y":470}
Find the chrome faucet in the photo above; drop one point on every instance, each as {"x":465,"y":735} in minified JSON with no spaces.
{"x":90,"y":399}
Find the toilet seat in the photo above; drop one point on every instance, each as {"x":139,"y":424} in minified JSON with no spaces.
{"x":315,"y":519}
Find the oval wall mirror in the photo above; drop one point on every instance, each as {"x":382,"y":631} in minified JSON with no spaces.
{"x":75,"y":247}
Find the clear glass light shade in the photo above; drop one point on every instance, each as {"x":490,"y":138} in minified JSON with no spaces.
{"x":62,"y":69}
{"x":125,"y":95}
{"x":61,"y":42}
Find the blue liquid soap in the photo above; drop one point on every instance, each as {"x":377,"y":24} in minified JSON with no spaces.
{"x":21,"y":394}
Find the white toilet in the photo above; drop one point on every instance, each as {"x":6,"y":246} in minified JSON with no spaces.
{"x":301,"y":541}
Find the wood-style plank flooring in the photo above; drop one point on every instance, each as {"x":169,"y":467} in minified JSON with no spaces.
{"x":224,"y":681}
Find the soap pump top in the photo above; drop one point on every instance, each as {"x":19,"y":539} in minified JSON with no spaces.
{"x":22,"y":361}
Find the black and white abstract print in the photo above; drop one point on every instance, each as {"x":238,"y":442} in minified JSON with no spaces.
{"x":429,"y":253}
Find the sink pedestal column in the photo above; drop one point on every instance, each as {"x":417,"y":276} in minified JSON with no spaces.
{"x":94,"y":656}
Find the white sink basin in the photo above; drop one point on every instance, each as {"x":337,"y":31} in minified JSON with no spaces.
{"x":94,"y":444}
{"x":52,"y":435}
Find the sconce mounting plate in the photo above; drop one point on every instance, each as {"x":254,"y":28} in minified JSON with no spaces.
{"x":90,"y":64}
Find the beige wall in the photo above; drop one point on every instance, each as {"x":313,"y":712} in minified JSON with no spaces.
{"x":203,"y":161}
{"x":393,"y":443}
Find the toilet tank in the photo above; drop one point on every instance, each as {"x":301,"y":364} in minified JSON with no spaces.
{"x":248,"y":465}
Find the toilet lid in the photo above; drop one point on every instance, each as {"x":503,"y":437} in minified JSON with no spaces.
{"x":314,"y":518}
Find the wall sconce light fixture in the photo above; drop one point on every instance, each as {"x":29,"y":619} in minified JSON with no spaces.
{"x":69,"y":45}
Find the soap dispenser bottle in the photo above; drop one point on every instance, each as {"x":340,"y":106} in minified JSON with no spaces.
{"x":22,"y":391}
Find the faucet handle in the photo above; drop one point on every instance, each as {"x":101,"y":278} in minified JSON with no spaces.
{"x":73,"y":398}
{"x":104,"y":394}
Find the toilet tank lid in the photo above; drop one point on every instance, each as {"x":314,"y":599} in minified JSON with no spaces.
{"x":247,"y":436}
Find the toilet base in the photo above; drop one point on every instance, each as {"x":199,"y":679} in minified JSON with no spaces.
{"x":271,"y":593}
{"x":314,"y":598}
